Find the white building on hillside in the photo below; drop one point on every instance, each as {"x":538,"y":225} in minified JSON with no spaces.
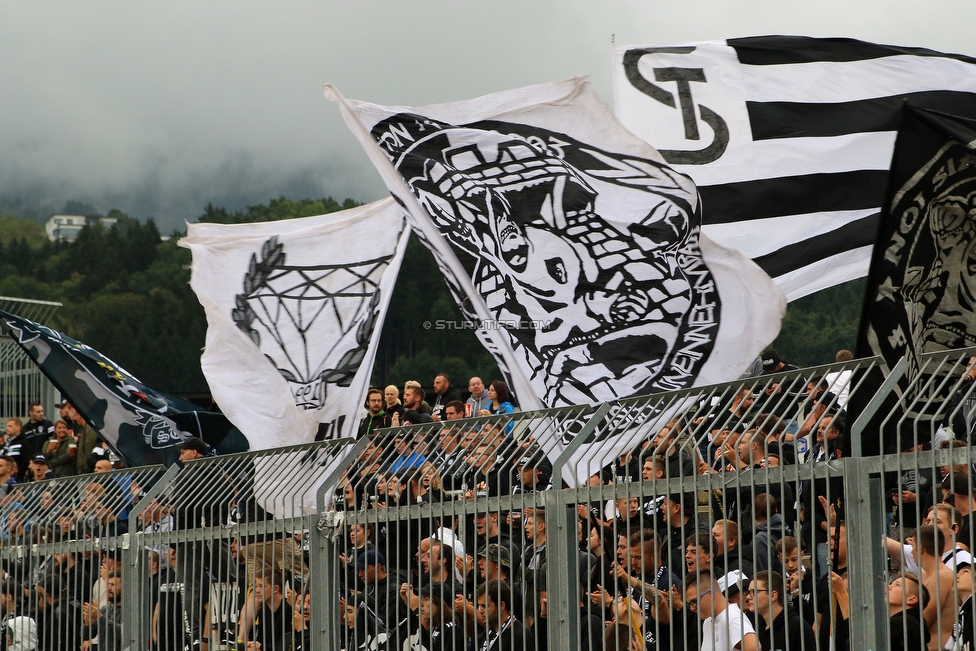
{"x":67,"y":227}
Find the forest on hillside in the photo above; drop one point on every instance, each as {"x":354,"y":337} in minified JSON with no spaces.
{"x":126,"y":293}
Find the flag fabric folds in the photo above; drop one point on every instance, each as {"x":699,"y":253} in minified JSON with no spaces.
{"x":570,"y":244}
{"x":294,"y":312}
{"x":923,"y":274}
{"x":921,"y":293}
{"x":788,"y":138}
{"x":142,"y":425}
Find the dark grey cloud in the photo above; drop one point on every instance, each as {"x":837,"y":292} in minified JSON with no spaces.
{"x":160,"y":109}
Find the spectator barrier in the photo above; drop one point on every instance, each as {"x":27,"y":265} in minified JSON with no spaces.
{"x":449,"y":536}
{"x":21,"y":381}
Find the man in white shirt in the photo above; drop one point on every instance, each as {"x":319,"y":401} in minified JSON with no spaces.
{"x":839,"y":382}
{"x":724,"y":627}
{"x":947,"y":519}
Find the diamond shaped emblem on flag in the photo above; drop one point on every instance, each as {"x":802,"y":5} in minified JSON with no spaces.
{"x":312,"y":322}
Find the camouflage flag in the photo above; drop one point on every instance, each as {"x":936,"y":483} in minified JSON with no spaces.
{"x":142,"y":425}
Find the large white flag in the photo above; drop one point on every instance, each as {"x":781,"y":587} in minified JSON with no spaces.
{"x":788,"y":138}
{"x":570,"y":244}
{"x":294,"y":313}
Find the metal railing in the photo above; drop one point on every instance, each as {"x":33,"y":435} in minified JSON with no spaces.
{"x":649,"y":521}
{"x":21,"y":382}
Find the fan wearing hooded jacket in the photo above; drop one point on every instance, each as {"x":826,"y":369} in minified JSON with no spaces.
{"x":21,"y":634}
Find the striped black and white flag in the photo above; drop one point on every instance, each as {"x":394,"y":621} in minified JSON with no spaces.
{"x":789,"y":139}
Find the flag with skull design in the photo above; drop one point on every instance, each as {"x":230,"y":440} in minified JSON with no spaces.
{"x":573,"y":249}
{"x":923,"y":277}
{"x":921,"y":293}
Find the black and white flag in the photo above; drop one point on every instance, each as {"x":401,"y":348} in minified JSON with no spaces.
{"x":788,"y":138}
{"x":570,"y":243}
{"x":294,"y":312}
{"x":923,"y":276}
{"x":143,"y":426}
{"x":921,"y":295}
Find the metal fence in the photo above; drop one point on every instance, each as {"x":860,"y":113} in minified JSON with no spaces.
{"x":742,"y":510}
{"x":21,"y":382}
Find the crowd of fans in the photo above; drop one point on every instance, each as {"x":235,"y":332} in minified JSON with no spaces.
{"x":63,"y":589}
{"x":39,"y":449}
{"x":761,"y":564}
{"x":758,"y":564}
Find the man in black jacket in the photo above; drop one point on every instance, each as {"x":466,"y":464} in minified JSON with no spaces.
{"x":274,"y":622}
{"x":438,"y":631}
{"x":105,"y":620}
{"x":59,"y":622}
{"x":728,"y":555}
{"x":376,"y":418}
{"x":32,"y":436}
{"x":505,"y":632}
{"x":679,"y":519}
{"x":490,"y":532}
{"x":777,"y":628}
{"x":382,"y":589}
{"x":908,"y":631}
{"x":445,"y":393}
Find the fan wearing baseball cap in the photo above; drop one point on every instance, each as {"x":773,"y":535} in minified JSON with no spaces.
{"x":39,"y":469}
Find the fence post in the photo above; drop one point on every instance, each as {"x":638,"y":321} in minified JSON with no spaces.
{"x":562,"y":571}
{"x":324,"y":529}
{"x":135,"y":625}
{"x":864,"y":499}
{"x":324,"y":619}
{"x":133,"y":594}
{"x":875,"y":403}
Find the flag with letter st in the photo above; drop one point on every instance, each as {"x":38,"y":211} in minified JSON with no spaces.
{"x":294,"y":313}
{"x":571,"y":245}
{"x":142,"y":425}
{"x":789,"y":139}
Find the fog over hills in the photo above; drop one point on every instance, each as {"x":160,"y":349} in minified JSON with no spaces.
{"x":161,"y":109}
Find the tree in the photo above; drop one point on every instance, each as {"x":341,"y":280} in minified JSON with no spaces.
{"x":421,"y":300}
{"x":127,"y":294}
{"x":280,"y":208}
{"x":818,"y":325}
{"x":25,"y":233}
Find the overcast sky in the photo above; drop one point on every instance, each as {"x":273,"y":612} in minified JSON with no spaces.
{"x":161,"y":108}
